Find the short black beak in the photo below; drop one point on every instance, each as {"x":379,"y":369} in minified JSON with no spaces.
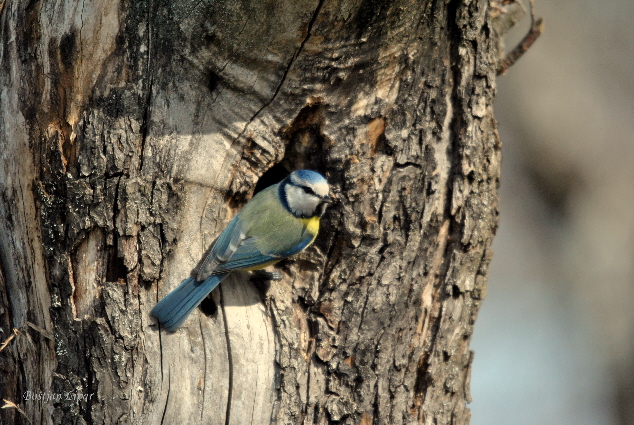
{"x":327,"y":200}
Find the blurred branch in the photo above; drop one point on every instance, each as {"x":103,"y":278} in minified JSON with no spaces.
{"x":537,"y":26}
{"x":8,"y":340}
{"x":10,"y":404}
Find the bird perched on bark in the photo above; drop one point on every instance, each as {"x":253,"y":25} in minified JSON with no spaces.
{"x":280,"y":221}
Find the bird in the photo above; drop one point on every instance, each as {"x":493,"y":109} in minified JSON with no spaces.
{"x":278,"y":222}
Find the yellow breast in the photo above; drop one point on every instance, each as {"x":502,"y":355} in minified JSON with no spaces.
{"x":312,"y":226}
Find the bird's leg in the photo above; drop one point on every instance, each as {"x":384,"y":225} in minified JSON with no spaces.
{"x":263,"y":275}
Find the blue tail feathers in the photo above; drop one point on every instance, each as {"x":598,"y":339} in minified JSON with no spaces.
{"x":172,"y":310}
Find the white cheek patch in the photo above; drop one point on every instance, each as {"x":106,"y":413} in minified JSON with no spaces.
{"x":311,"y":205}
{"x":300,"y":203}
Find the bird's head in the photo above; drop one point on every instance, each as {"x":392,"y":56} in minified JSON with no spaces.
{"x":305,"y":193}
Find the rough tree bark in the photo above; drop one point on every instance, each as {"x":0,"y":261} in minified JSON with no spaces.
{"x":131,"y":132}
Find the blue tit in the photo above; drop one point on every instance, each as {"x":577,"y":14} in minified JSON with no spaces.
{"x":277,"y":222}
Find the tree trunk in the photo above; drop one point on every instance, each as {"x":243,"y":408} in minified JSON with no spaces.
{"x":132,"y":132}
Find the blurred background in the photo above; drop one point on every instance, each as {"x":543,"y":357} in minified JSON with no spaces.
{"x":554,"y":340}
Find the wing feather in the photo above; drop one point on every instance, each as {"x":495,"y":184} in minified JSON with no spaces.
{"x":220,"y":251}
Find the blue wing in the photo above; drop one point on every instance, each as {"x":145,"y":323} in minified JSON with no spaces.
{"x":221,"y":250}
{"x":248,"y":255}
{"x":299,"y":247}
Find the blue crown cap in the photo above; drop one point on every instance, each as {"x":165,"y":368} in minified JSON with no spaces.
{"x":308,"y":176}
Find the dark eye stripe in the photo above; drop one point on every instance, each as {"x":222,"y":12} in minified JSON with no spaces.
{"x":308,"y":190}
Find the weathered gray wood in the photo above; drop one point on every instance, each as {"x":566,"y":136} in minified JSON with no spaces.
{"x":131,"y":134}
{"x":251,"y":341}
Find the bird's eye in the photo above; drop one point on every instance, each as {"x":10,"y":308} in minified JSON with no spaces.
{"x":308,"y":190}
